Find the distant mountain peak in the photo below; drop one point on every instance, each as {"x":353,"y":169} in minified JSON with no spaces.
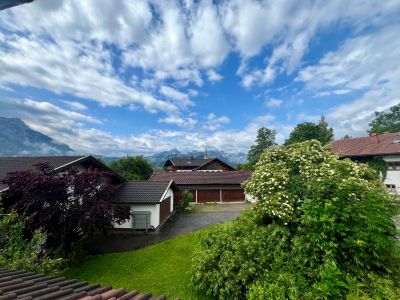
{"x":18,"y":139}
{"x":159,"y":159}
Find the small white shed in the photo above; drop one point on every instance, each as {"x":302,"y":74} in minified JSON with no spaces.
{"x":151,"y":203}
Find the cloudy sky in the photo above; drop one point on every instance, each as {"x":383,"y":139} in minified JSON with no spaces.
{"x":138,"y":77}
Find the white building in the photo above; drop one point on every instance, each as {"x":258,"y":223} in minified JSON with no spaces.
{"x":385,"y":146}
{"x":151,"y":203}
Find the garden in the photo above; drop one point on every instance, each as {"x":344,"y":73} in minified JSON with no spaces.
{"x":322,"y":228}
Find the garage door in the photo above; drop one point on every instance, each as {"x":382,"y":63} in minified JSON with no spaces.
{"x":165,"y":209}
{"x":233,"y":196}
{"x":208,"y":196}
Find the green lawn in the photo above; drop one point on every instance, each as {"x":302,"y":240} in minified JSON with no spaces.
{"x":160,"y":269}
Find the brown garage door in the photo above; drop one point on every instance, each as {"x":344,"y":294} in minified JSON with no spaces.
{"x":207,"y":196}
{"x":232,"y":195}
{"x":165,"y":209}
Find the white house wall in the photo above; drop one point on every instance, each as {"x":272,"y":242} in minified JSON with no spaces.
{"x":154,"y":210}
{"x":393,"y":176}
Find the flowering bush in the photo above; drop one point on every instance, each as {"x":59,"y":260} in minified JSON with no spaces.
{"x":336,"y":233}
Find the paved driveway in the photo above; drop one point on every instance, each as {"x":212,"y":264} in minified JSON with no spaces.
{"x":179,"y":224}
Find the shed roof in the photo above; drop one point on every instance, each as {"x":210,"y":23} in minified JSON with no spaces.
{"x":142,"y":191}
{"x":375,"y":145}
{"x":198,"y":177}
{"x":28,"y":285}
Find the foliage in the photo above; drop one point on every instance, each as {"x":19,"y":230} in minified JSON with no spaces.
{"x":161,"y":269}
{"x":17,"y":252}
{"x":311,"y":131}
{"x":386,"y":121}
{"x":234,"y":254}
{"x":187,"y":197}
{"x":265,"y":139}
{"x":245,"y":167}
{"x":66,"y":208}
{"x":379,"y":165}
{"x":322,"y":228}
{"x":132,"y":167}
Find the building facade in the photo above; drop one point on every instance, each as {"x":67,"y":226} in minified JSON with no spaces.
{"x":187,"y":164}
{"x":384,"y":146}
{"x":208,"y":186}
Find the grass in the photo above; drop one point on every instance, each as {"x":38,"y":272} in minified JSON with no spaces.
{"x":219,"y":207}
{"x":162,"y":269}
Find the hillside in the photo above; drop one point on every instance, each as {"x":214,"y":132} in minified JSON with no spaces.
{"x":17,"y":139}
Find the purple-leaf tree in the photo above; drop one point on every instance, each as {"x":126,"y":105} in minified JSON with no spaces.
{"x":67,"y":207}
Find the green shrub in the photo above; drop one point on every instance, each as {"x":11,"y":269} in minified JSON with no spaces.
{"x":236,"y":253}
{"x":321,"y":228}
{"x":17,"y":252}
{"x":187,"y":197}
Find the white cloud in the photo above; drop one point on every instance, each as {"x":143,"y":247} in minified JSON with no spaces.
{"x":181,"y":99}
{"x":362,"y":65}
{"x":179,"y":121}
{"x":273,"y":102}
{"x":76,"y":130}
{"x":82,"y":70}
{"x":289,"y":27}
{"x":213,"y":122}
{"x":214,"y":76}
{"x":181,"y":43}
{"x":75,"y":105}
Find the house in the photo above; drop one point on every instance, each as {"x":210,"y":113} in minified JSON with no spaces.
{"x":59,"y":163}
{"x":208,"y":186}
{"x":385,"y":146}
{"x":151,"y":203}
{"x":186,"y":164}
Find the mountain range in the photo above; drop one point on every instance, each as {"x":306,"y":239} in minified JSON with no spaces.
{"x":18,"y":139}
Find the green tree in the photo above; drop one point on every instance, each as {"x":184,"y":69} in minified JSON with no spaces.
{"x":311,"y":131}
{"x":265,"y":139}
{"x":132,"y":167}
{"x":321,"y":228}
{"x":386,"y":121}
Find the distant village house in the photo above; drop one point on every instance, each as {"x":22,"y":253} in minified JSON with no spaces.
{"x":385,"y":146}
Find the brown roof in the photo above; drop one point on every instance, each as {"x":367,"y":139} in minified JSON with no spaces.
{"x":142,"y":191}
{"x":28,"y":285}
{"x":195,"y":163}
{"x":59,"y":163}
{"x":383,"y":144}
{"x":196,"y":178}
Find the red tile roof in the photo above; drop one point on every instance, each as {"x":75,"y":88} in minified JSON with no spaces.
{"x":383,"y":144}
{"x":28,"y":285}
{"x":198,"y":178}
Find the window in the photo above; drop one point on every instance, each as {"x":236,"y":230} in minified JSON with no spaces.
{"x":391,"y":188}
{"x":393,"y":166}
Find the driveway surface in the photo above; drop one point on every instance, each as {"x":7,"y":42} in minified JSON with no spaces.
{"x":177,"y":225}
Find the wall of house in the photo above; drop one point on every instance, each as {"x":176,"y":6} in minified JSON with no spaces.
{"x":393,"y":176}
{"x":170,"y":193}
{"x":214,"y":166}
{"x":154,"y":210}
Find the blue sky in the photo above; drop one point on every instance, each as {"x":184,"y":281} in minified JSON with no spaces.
{"x":139,"y":77}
